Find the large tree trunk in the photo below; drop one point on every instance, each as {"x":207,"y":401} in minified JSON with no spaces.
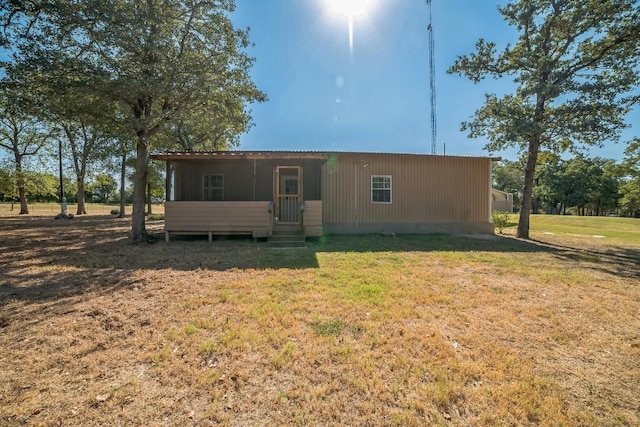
{"x":24,"y":208}
{"x":123,"y":177}
{"x":530,"y":168}
{"x":82,"y":210}
{"x":527,"y":192}
{"x":22,"y":193}
{"x":138,"y":231}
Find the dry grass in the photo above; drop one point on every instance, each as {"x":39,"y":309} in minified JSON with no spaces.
{"x":411,"y":330}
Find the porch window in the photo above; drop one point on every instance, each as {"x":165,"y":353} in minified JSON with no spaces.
{"x":380,"y":188}
{"x":212,"y":187}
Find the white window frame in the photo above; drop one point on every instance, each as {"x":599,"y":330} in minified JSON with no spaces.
{"x":207,"y":190}
{"x":390,"y":189}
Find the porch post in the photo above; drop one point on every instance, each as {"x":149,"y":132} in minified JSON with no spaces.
{"x":167,"y":182}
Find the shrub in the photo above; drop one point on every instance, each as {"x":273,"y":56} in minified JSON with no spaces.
{"x":500,"y":220}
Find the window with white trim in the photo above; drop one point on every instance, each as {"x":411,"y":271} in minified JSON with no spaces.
{"x":380,"y":188}
{"x":212,"y":187}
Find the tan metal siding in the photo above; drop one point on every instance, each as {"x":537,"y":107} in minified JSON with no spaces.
{"x":425,"y":189}
{"x":312,"y":219}
{"x":338,"y":189}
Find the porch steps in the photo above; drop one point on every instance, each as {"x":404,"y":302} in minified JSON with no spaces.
{"x":287,"y":236}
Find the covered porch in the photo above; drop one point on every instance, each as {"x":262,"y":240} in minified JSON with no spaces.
{"x":224,"y":193}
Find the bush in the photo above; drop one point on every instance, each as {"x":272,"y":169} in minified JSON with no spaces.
{"x":500,"y":220}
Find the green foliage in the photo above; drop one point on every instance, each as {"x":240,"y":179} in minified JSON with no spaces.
{"x":630,"y":201}
{"x":42,"y":187}
{"x":575,"y":67}
{"x":587,"y":184}
{"x":168,"y":66}
{"x":8,"y":190}
{"x":500,"y":220}
{"x":103,"y":188}
{"x":631,"y":163}
{"x":630,"y":188}
{"x":21,"y":134}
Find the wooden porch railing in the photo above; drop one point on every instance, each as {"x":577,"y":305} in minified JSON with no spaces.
{"x":288,"y":209}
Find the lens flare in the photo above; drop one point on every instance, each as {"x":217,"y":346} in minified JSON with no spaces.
{"x":350,"y":8}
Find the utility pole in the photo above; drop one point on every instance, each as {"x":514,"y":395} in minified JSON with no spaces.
{"x":63,"y":200}
{"x":432,"y":82}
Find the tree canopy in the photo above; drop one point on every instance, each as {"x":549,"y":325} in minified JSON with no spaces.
{"x":167,"y":64}
{"x":575,"y":65}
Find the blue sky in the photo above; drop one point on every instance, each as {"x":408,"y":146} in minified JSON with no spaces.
{"x":325,"y":96}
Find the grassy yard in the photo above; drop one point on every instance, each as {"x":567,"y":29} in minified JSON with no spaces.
{"x":54,"y":208}
{"x":353,"y":330}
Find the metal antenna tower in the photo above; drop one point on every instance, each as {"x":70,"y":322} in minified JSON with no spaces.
{"x":432,"y":83}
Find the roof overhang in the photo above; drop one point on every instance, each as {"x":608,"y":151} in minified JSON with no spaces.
{"x":238,"y":155}
{"x":275,"y":155}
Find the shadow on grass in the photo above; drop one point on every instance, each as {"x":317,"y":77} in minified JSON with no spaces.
{"x":623,"y":262}
{"x":426,"y":243}
{"x":49,"y":260}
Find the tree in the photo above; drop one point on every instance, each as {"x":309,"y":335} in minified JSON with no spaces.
{"x":42,"y":186}
{"x":630,"y":188}
{"x":574,"y":66}
{"x":22,"y":135}
{"x":160,"y":60}
{"x":155,"y":182}
{"x":576,"y":182}
{"x":8,"y":191}
{"x":545,"y":194}
{"x":605,"y":191}
{"x":125,"y":151}
{"x":103,"y":188}
{"x":216,"y":126}
{"x":86,"y":129}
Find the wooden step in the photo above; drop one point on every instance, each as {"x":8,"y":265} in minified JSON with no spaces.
{"x":287,"y":236}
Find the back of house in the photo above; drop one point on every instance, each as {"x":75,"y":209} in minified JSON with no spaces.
{"x":229,"y":192}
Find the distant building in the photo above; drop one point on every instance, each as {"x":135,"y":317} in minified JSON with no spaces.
{"x":501,"y":201}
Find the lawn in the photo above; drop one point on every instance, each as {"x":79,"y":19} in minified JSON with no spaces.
{"x":52,"y":209}
{"x":353,"y":330}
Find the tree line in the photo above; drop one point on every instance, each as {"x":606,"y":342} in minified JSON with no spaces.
{"x":580,"y":185}
{"x":42,"y":186}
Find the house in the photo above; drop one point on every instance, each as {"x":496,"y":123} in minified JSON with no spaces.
{"x":256,"y":193}
{"x":501,"y":201}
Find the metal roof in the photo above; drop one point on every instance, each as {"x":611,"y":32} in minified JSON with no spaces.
{"x":206,"y":155}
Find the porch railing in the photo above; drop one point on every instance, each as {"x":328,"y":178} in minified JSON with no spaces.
{"x":288,"y":209}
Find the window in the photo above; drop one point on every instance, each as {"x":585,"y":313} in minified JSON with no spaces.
{"x":380,"y":188}
{"x":291,"y":185}
{"x":212,"y":187}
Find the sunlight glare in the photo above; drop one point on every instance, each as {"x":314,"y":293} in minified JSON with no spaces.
{"x":350,"y":8}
